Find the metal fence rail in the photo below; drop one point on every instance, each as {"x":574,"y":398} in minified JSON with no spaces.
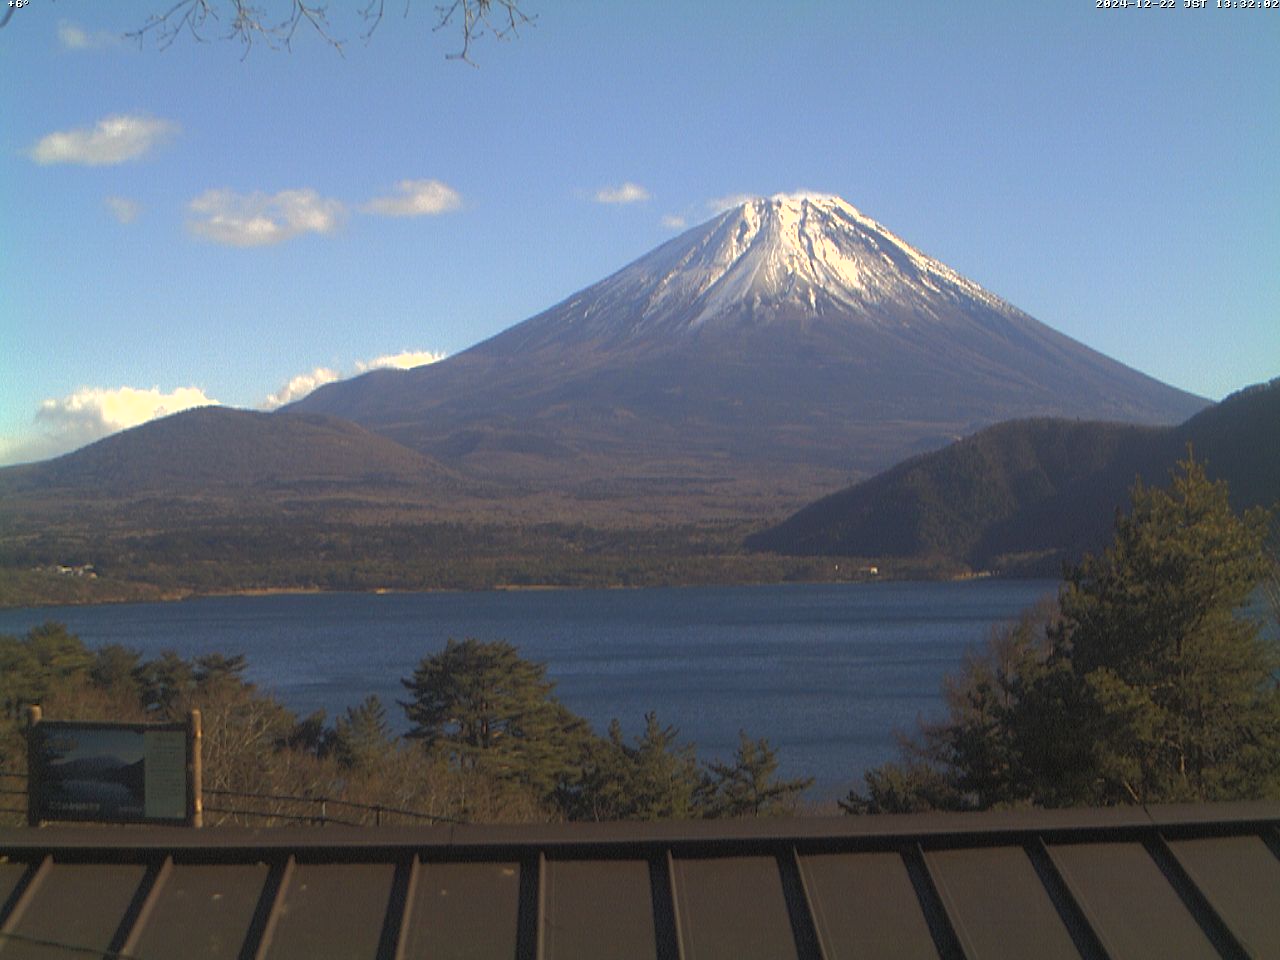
{"x":317,"y":810}
{"x":319,"y":814}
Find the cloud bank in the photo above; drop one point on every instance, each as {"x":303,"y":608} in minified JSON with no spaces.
{"x":112,"y":140}
{"x":627,"y":193}
{"x":299,"y":386}
{"x":416,"y":198}
{"x":405,"y":360}
{"x":259,"y":219}
{"x":63,"y":424}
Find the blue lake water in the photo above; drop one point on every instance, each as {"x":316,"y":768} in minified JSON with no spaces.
{"x":826,"y":672}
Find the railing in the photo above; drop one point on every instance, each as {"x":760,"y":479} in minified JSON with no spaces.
{"x":290,"y":808}
{"x":349,"y":810}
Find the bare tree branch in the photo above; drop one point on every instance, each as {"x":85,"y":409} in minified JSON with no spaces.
{"x":249,"y":22}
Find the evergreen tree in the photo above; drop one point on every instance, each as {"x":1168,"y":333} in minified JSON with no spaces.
{"x":654,"y":779}
{"x":1147,"y":684}
{"x":747,"y":787}
{"x":362,"y":736}
{"x":1178,"y":688}
{"x":485,"y":708}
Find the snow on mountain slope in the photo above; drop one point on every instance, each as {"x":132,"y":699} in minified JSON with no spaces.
{"x":814,"y":253}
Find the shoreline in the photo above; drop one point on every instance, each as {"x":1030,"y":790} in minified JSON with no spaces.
{"x":248,"y":592}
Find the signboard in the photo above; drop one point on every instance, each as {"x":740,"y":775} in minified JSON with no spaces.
{"x":114,"y":772}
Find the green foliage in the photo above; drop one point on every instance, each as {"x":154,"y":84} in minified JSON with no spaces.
{"x":33,"y":666}
{"x":1147,"y":683}
{"x":483,"y":707}
{"x":362,"y":738}
{"x":654,"y":779}
{"x":748,"y":787}
{"x":1179,"y":688}
{"x":908,"y":787}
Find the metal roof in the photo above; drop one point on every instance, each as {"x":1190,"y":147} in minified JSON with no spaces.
{"x":1162,"y":882}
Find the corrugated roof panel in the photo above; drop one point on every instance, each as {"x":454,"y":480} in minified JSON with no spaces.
{"x":463,"y":910}
{"x":11,"y":874}
{"x":70,"y":908}
{"x":998,"y":906}
{"x":732,"y":908}
{"x":330,"y":910}
{"x":201,"y":911}
{"x":1240,"y":877}
{"x":864,"y":905}
{"x":598,"y":908}
{"x":1129,"y":903}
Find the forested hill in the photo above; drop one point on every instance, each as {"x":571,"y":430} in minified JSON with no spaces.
{"x":219,"y":447}
{"x":1025,"y":495}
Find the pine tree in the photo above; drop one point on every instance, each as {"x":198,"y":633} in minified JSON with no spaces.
{"x":1147,"y":683}
{"x":655,"y":778}
{"x":362,"y":736}
{"x":1178,"y":688}
{"x":747,"y":787}
{"x":484,"y":707}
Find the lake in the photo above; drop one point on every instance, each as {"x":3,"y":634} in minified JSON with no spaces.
{"x":827,"y":672}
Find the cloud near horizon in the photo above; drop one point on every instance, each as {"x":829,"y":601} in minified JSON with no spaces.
{"x":627,"y":193}
{"x":404,"y":360}
{"x":259,"y":219}
{"x":112,"y":140}
{"x":299,"y":386}
{"x":304,"y":383}
{"x":416,"y":198}
{"x":63,"y":424}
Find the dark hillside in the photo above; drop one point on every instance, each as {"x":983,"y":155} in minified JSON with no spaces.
{"x":220,"y":448}
{"x":1027,"y":494}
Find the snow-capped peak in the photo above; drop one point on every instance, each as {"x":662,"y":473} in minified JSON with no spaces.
{"x":808,"y":252}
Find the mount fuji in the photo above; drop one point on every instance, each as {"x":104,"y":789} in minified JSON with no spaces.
{"x":784,"y":348}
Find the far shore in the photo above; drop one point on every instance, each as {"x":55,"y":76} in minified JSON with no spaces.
{"x":106,"y":595}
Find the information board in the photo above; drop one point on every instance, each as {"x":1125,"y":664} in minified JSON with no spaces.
{"x":112,"y":772}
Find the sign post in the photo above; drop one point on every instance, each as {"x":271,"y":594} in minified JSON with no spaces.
{"x":114,"y":772}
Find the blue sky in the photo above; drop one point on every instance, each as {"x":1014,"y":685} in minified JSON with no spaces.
{"x":193,"y":223}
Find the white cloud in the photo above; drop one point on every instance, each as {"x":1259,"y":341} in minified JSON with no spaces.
{"x":627,"y":193}
{"x":123,"y":209}
{"x":304,"y":383}
{"x":112,"y":140}
{"x":674,"y":221}
{"x":259,"y":219}
{"x":299,"y":387}
{"x":63,"y":424}
{"x":72,"y":36}
{"x":416,"y":198}
{"x":405,"y":360}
